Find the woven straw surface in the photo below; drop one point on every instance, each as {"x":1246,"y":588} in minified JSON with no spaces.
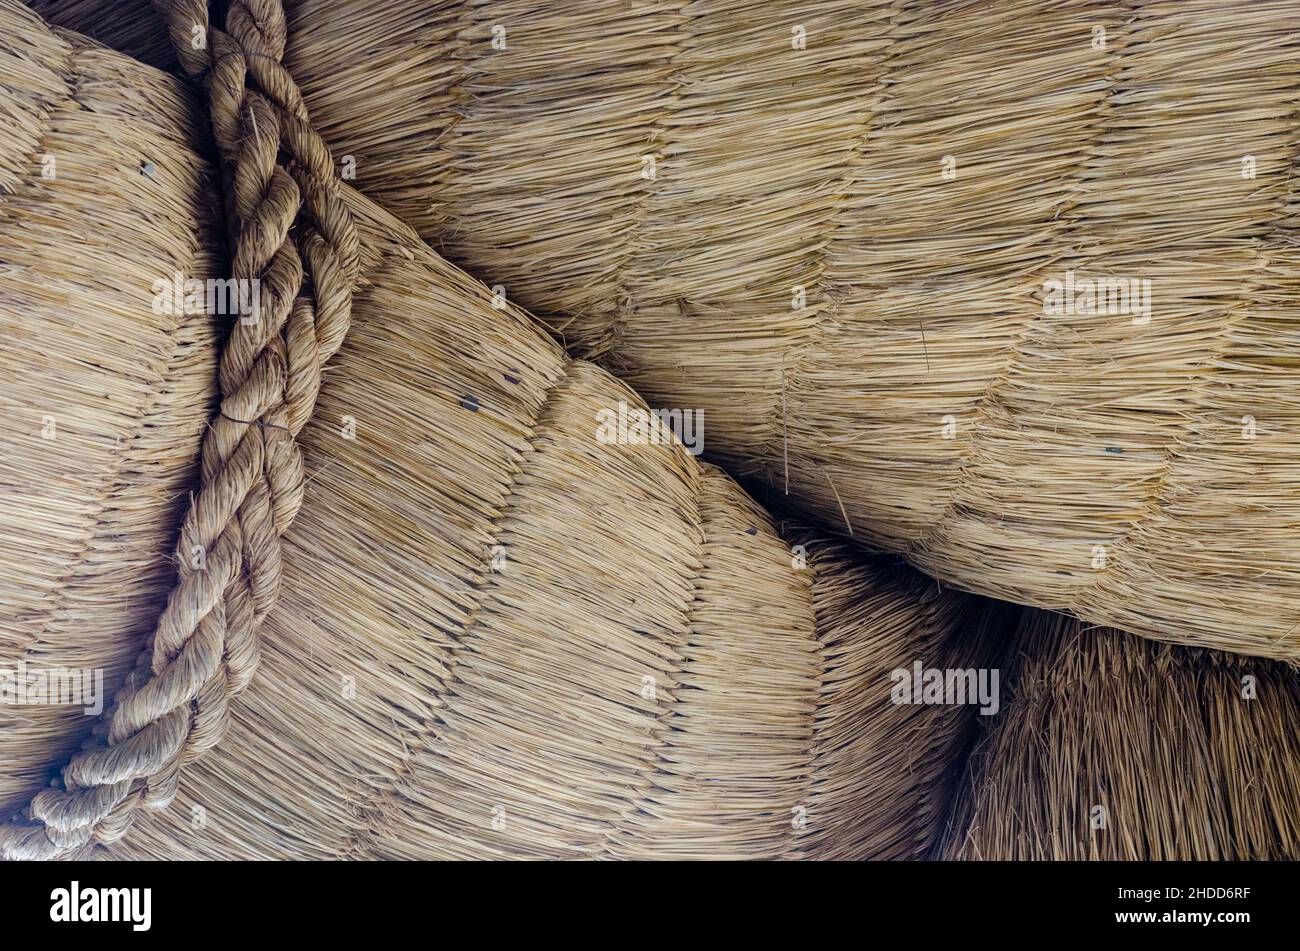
{"x":103,"y":189}
{"x":497,"y":635}
{"x":1141,"y":476}
{"x":1162,"y":738}
{"x":530,"y":736}
{"x":128,"y":26}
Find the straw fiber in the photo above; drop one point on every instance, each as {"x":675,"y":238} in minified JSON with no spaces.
{"x":103,"y":189}
{"x":830,"y":226}
{"x":1113,"y":747}
{"x":128,"y":26}
{"x":496,"y":634}
{"x":292,"y":234}
{"x":527,"y":733}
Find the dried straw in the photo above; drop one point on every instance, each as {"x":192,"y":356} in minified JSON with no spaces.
{"x":497,"y":635}
{"x":1112,"y":747}
{"x":531,"y":737}
{"x":1141,"y":476}
{"x":128,"y":26}
{"x":104,"y":189}
{"x":291,"y":233}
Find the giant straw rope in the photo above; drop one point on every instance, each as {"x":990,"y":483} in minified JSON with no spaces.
{"x":174,"y":705}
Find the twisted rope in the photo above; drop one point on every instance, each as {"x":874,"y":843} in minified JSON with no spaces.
{"x":174,"y":705}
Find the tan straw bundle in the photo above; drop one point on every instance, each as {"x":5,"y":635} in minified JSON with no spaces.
{"x":866,"y":240}
{"x":496,"y":634}
{"x":766,"y":730}
{"x":104,"y":189}
{"x":1112,"y":747}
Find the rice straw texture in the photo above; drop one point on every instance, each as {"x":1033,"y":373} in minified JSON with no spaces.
{"x":1113,"y":747}
{"x":104,"y":188}
{"x":833,"y":227}
{"x":498,"y":634}
{"x":128,"y":26}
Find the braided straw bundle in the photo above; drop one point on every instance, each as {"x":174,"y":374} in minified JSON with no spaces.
{"x":1111,"y":747}
{"x":529,"y":734}
{"x":174,"y":704}
{"x":103,"y":189}
{"x":831,"y":226}
{"x":495,"y":635}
